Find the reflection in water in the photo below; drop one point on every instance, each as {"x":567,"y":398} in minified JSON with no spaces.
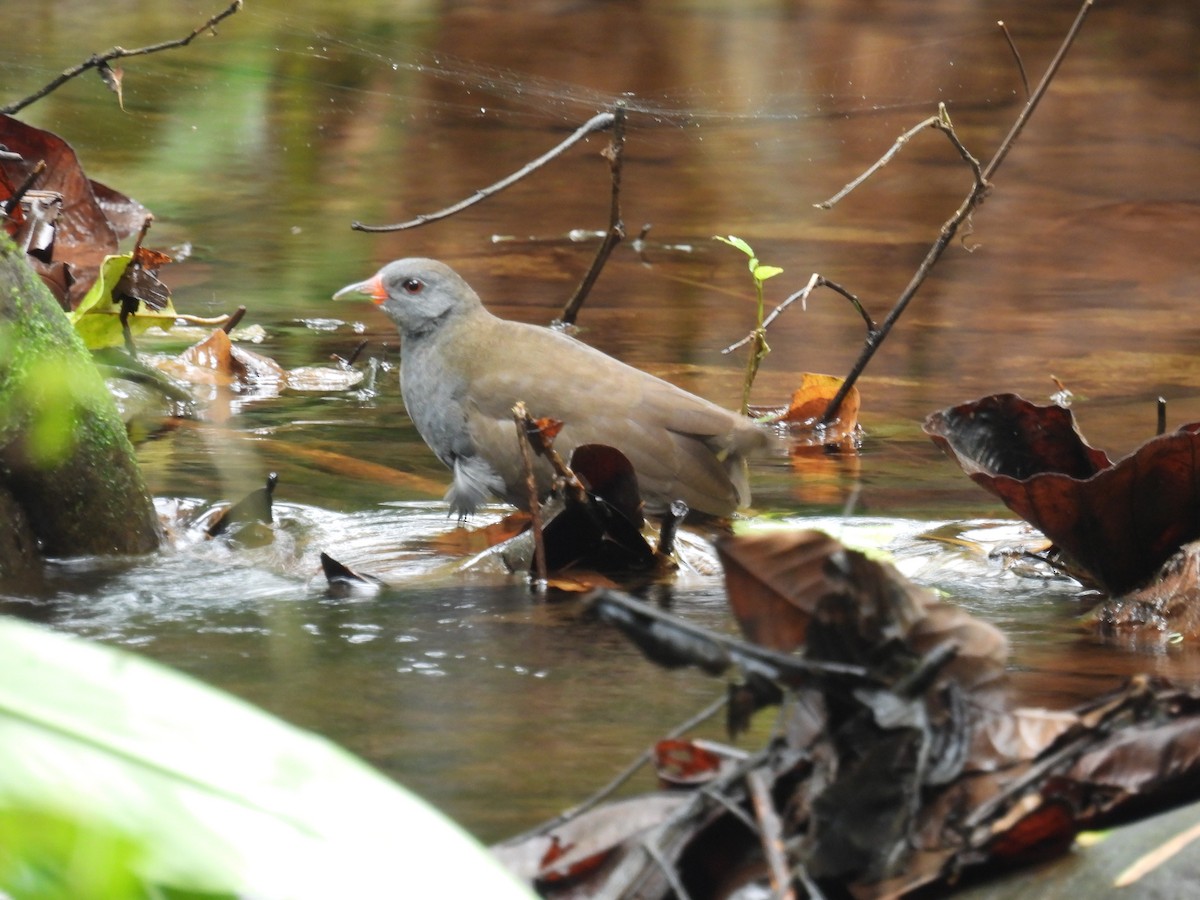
{"x":260,"y":146}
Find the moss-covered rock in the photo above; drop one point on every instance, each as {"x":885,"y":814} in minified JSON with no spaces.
{"x":65,"y":458}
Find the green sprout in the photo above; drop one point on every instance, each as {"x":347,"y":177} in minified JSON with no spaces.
{"x":758,"y":340}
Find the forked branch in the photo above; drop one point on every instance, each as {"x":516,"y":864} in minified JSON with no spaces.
{"x":962,"y":215}
{"x":100,"y":61}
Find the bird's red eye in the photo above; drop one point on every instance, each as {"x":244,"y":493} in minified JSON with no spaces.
{"x":413,"y":285}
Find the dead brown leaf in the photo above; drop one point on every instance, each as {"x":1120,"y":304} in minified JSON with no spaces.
{"x":1120,"y":522}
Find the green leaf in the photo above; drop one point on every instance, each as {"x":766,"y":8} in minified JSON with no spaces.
{"x":115,"y":763}
{"x":735,"y":242}
{"x":97,"y":318}
{"x":762,"y":273}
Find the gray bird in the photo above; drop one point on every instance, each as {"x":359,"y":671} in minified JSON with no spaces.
{"x":463,"y":369}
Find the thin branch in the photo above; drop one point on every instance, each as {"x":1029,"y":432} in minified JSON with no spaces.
{"x":1016,"y":55}
{"x":879,"y":163}
{"x":101,"y":60}
{"x":598,"y":122}
{"x":978,"y":191}
{"x":15,"y":200}
{"x":624,"y":776}
{"x":1039,"y":92}
{"x":616,"y":227}
{"x":770,"y":835}
{"x":524,"y":441}
{"x":817,"y":280}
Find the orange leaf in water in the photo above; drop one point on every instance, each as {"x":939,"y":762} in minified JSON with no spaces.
{"x":813,"y":396}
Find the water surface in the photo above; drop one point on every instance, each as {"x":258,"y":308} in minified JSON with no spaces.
{"x":257,"y":148}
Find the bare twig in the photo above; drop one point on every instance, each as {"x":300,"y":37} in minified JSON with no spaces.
{"x":817,"y":280}
{"x":616,"y":227}
{"x":598,"y":122}
{"x":770,"y":835}
{"x":940,"y":122}
{"x":667,"y":868}
{"x":544,"y":448}
{"x":521,"y":417}
{"x":1016,"y":55}
{"x":979,"y":190}
{"x":101,"y":60}
{"x":240,"y":313}
{"x":15,"y":200}
{"x":623,"y":777}
{"x":879,"y":163}
{"x":1039,"y":91}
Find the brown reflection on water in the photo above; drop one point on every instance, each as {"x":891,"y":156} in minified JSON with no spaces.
{"x":261,"y":146}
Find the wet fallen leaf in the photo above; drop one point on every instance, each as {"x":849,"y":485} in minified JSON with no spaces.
{"x":1119,"y":522}
{"x":810,"y":400}
{"x":344,"y":581}
{"x":219,"y":354}
{"x":97,"y":317}
{"x":579,"y":845}
{"x":94,"y":218}
{"x":608,"y":473}
{"x":466,"y":541}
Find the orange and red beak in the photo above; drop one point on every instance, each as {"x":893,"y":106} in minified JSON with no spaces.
{"x":372,"y":287}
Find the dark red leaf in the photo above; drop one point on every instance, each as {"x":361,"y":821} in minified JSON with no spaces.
{"x":1119,"y":522}
{"x":608,"y":473}
{"x":85,"y":234}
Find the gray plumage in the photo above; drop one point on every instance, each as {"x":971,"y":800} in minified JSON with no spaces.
{"x":463,"y":369}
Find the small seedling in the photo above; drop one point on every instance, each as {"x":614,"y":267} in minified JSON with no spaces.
{"x":758,"y":341}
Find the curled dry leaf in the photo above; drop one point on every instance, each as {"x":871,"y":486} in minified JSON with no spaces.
{"x":774,"y":581}
{"x":782,"y":583}
{"x":1119,"y":522}
{"x":94,"y":218}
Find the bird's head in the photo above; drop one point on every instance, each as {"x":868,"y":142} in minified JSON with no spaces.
{"x":417,"y":294}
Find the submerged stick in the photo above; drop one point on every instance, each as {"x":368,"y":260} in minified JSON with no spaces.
{"x":100,"y":61}
{"x":598,"y":122}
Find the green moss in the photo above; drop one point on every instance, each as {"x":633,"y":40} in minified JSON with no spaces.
{"x":64,"y":453}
